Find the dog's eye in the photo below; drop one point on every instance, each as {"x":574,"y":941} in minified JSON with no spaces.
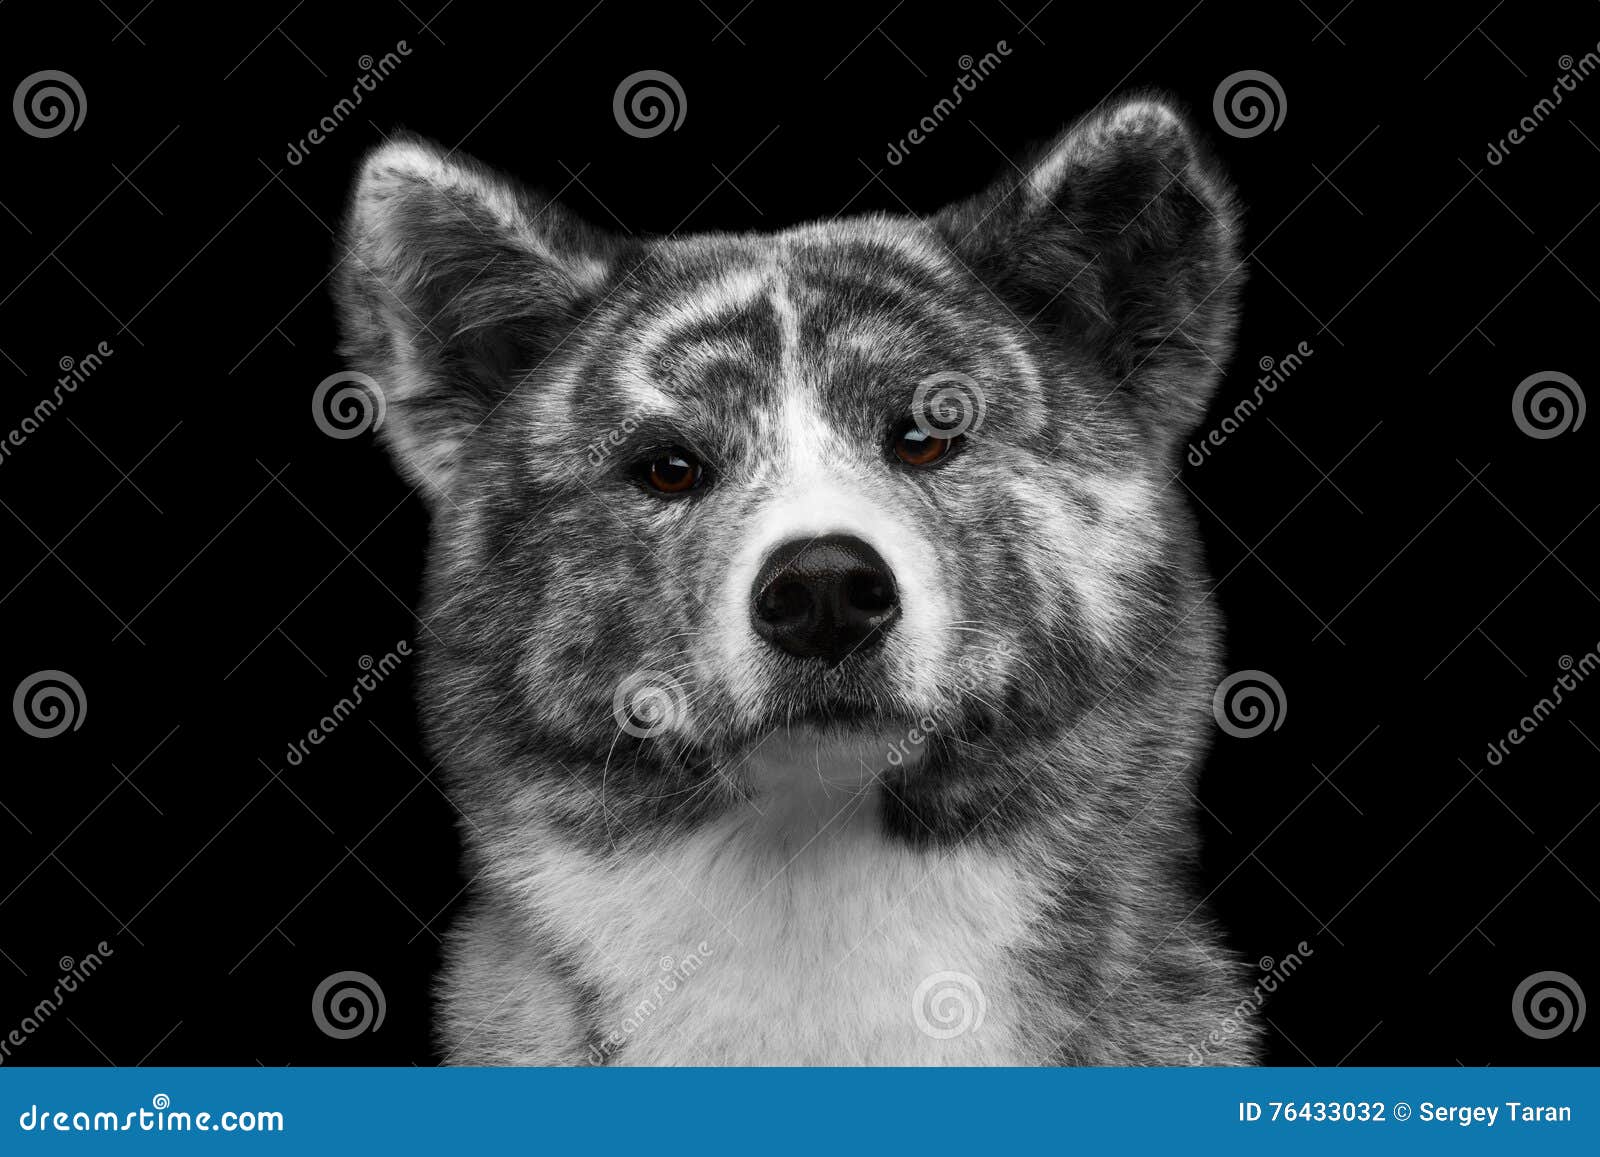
{"x":673,"y":472}
{"x":916,"y":447}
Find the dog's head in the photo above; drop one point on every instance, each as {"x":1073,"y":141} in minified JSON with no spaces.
{"x":899,"y":476}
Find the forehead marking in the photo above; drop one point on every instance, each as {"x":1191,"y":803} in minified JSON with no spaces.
{"x":704,"y":303}
{"x":788,"y":316}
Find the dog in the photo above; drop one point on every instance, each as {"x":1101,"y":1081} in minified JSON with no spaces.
{"x":817,"y":649}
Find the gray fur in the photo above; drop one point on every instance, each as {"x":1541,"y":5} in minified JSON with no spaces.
{"x":1092,"y":302}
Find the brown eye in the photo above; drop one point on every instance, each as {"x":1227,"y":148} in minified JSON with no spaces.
{"x":916,"y":447}
{"x":673,"y":472}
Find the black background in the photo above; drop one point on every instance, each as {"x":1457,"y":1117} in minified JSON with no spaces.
{"x":180,"y":537}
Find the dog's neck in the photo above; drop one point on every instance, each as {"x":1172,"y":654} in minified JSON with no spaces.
{"x":803,"y":783}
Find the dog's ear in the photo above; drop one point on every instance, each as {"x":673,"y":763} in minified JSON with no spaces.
{"x":455,"y":283}
{"x":1121,"y":235}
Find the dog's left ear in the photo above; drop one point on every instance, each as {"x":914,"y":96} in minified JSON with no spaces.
{"x":1121,"y":236}
{"x":455,"y":284}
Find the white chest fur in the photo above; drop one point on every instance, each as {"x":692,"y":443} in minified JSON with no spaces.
{"x":796,"y":934}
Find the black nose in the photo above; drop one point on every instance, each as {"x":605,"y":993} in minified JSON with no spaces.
{"x":824,"y":598}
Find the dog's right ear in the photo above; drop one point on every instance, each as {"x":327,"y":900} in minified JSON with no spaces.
{"x":455,"y":283}
{"x":1122,"y":236}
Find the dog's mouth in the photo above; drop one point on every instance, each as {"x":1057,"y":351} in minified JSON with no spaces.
{"x":839,"y":716}
{"x":833,"y":699}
